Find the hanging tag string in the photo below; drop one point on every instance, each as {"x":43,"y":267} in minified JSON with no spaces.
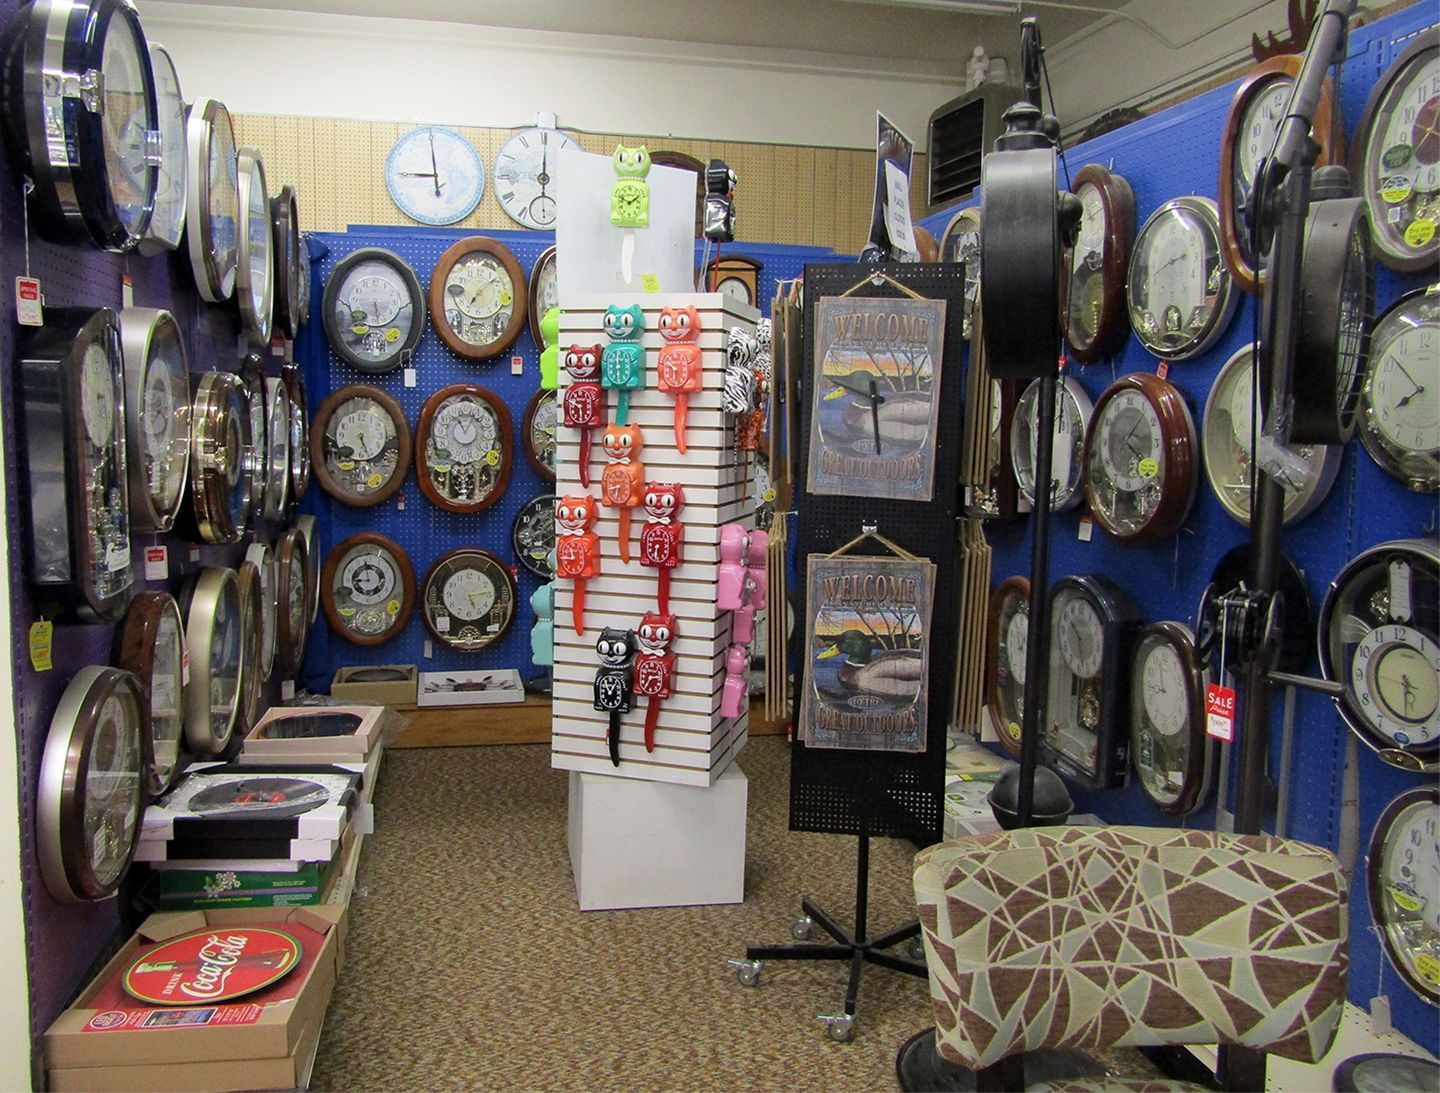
{"x":25,"y":219}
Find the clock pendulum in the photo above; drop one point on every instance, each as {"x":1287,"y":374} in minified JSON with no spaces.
{"x":577,"y":550}
{"x":622,"y":365}
{"x":679,"y":369}
{"x":662,"y":543}
{"x":615,"y":682}
{"x":734,"y":549}
{"x":583,"y":407}
{"x":654,"y":667}
{"x":737,"y":681}
{"x":622,"y":485}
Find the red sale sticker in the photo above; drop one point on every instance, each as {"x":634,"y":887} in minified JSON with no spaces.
{"x":28,"y":302}
{"x":211,"y":966}
{"x":1220,"y":712}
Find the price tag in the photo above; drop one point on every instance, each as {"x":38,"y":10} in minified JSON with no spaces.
{"x":410,"y":378}
{"x":157,"y":563}
{"x":27,"y":302}
{"x":1148,"y":468}
{"x":185,"y":668}
{"x":1420,"y":232}
{"x":517,"y":365}
{"x":442,"y":623}
{"x":194,"y":553}
{"x":1163,"y":369}
{"x":1086,"y":529}
{"x":127,"y":291}
{"x":42,"y":637}
{"x":287,"y":690}
{"x":1220,"y":712}
{"x":651,"y":282}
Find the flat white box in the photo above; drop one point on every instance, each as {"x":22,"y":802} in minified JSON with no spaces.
{"x":654,"y":844}
{"x":502,"y":687}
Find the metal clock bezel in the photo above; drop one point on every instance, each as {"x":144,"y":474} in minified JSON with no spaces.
{"x":257,"y":302}
{"x":292,"y":556}
{"x":278,"y":419}
{"x":214,"y":257}
{"x":140,"y":328}
{"x":403,"y":348}
{"x":167,"y":219}
{"x":1418,"y":470}
{"x":222,"y":481}
{"x":252,"y":637}
{"x":262,"y":557}
{"x":209,"y":727}
{"x":1203,"y":210}
{"x":1022,"y":457}
{"x":1422,"y":796}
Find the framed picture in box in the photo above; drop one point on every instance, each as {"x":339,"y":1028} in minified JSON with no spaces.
{"x":314,"y":734}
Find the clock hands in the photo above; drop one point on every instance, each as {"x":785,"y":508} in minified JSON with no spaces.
{"x":876,"y":399}
{"x":434,"y":167}
{"x":1419,"y":389}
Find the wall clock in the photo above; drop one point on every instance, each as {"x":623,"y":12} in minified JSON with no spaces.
{"x":999,"y":497}
{"x":1399,"y":413}
{"x":463,"y":448}
{"x":736,"y":277}
{"x":1141,"y":463}
{"x":1395,"y":159}
{"x":360,"y":445}
{"x":309,"y":530}
{"x":1380,"y":638}
{"x":92,"y":776}
{"x":525,"y":172}
{"x":72,"y":386}
{"x":537,"y":429}
{"x":299,"y":431}
{"x":1402,"y":871}
{"x":252,"y":376}
{"x":1228,"y":448}
{"x":296,"y":599}
{"x":1169,"y":746}
{"x":1093,"y":623}
{"x":277,"y":449}
{"x":285,"y":230}
{"x":212,"y":199}
{"x":434,"y":175}
{"x":222,"y":460}
{"x":477,"y":298}
{"x":368,"y":589}
{"x":255,"y":250}
{"x":167,"y":221}
{"x":532,"y":535}
{"x":1072,"y":421}
{"x":252,"y":635}
{"x":468,"y":599}
{"x":960,"y":242}
{"x":262,"y":558}
{"x":303,"y":313}
{"x":157,"y":427}
{"x":150,"y":643}
{"x":1009,"y":630}
{"x":1095,"y":323}
{"x":544,"y":292}
{"x":1255,"y":115}
{"x":210,"y":604}
{"x":1179,"y":294}
{"x":83,"y":120}
{"x":373,"y":310}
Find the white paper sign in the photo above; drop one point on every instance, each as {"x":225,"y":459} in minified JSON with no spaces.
{"x":897,"y":209}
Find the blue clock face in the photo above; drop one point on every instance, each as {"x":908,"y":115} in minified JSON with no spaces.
{"x":435,"y":175}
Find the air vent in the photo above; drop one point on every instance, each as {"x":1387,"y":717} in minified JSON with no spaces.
{"x":961,"y":132}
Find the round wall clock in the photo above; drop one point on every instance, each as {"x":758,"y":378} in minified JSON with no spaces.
{"x":72,"y":392}
{"x":1169,"y":746}
{"x":214,"y":639}
{"x":1072,"y":420}
{"x":252,"y":634}
{"x":212,"y":201}
{"x":252,"y":376}
{"x":254,"y":257}
{"x":157,"y":427}
{"x":91,"y":790}
{"x":434,"y":175}
{"x":1009,"y":631}
{"x":1228,"y":448}
{"x":961,"y":243}
{"x":277,"y":449}
{"x":533,"y":535}
{"x":1095,"y":324}
{"x":468,"y":599}
{"x":309,"y":530}
{"x":302,"y":314}
{"x":537,"y":430}
{"x":150,"y":643}
{"x":360,"y":445}
{"x":373,"y":310}
{"x":368,"y":589}
{"x":1141,"y":463}
{"x":1402,"y":871}
{"x":285,"y":230}
{"x":298,"y":582}
{"x":1380,"y":638}
{"x":263,"y":559}
{"x":83,"y":119}
{"x":299,"y":432}
{"x":525,"y":175}
{"x":167,"y":222}
{"x":544,"y":292}
{"x":1400,"y":391}
{"x":1180,"y":295}
{"x":1255,"y":115}
{"x":1395,"y":158}
{"x":462,"y":448}
{"x":477,"y":298}
{"x":222,"y":460}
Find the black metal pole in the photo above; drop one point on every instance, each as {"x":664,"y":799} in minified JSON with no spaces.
{"x":1037,"y":642}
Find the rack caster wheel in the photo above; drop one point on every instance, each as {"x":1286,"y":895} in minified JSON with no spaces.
{"x":840,"y":1027}
{"x":747,"y":971}
{"x":803,"y":928}
{"x":917,"y":949}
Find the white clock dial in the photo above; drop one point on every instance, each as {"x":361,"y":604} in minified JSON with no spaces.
{"x":525,"y":172}
{"x":734,"y":289}
{"x":1256,"y":137}
{"x":1179,"y":293}
{"x":1130,"y":443}
{"x":435,"y":175}
{"x":1166,"y":701}
{"x":468,"y":595}
{"x":1081,"y":636}
{"x":1415,"y":125}
{"x":547,"y":289}
{"x":1403,"y":875}
{"x":1017,"y":635}
{"x":1072,"y":419}
{"x":1404,"y":390}
{"x":97,"y":395}
{"x":370,"y":576}
{"x":364,"y":430}
{"x":1092,"y":225}
{"x":1395,"y":674}
{"x":1412,"y":866}
{"x":466,"y":429}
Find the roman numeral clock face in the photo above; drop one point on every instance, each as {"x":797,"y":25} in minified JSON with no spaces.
{"x":525,"y":176}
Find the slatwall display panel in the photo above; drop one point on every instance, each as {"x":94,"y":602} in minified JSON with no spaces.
{"x":693,"y":742}
{"x":883,"y":793}
{"x":1177,"y":152}
{"x":409,"y":518}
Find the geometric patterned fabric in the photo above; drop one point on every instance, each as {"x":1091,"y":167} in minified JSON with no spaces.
{"x":1097,"y":937}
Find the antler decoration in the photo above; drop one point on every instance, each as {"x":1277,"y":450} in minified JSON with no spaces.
{"x":1300,"y":23}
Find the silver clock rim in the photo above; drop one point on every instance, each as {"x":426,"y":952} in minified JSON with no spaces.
{"x":215,"y":283}
{"x":257,"y":304}
{"x":159,"y":238}
{"x":262,"y":557}
{"x":1227,"y":300}
{"x":139,"y":327}
{"x":210,"y":585}
{"x":278,"y":419}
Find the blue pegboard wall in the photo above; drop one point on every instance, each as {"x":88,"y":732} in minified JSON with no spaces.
{"x":1166,"y":155}
{"x":409,"y":518}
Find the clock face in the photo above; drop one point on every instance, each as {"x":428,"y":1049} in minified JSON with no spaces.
{"x":1072,"y":419}
{"x":1399,"y":410}
{"x":468,"y":599}
{"x":961,"y":243}
{"x":544,"y":292}
{"x":369,"y":589}
{"x":1403,"y":874}
{"x":255,"y":255}
{"x":1180,"y":296}
{"x":150,"y":644}
{"x":212,"y":207}
{"x":525,"y":176}
{"x":1076,"y":654}
{"x":1167,"y":732}
{"x":167,"y":222}
{"x":1095,"y":312}
{"x":477,"y":298}
{"x":533,"y":535}
{"x":435,"y":175}
{"x":1009,"y":639}
{"x":735,"y":290}
{"x":372,"y":310}
{"x":538,"y":429}
{"x":222,"y":458}
{"x":363,"y":445}
{"x":293,"y":594}
{"x":162,"y":423}
{"x":1229,"y":447}
{"x":464,"y":448}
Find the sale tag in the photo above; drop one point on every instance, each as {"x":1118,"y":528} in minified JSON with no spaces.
{"x":1220,"y":712}
{"x":157,"y":563}
{"x":1163,"y":369}
{"x":127,"y":291}
{"x":410,"y":377}
{"x":42,"y":637}
{"x":27,"y":301}
{"x":185,"y":668}
{"x":517,"y":365}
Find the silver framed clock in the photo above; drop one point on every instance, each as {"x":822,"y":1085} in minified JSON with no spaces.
{"x":157,"y":427}
{"x":255,"y":250}
{"x":214,"y":639}
{"x":212,"y":199}
{"x":167,"y":221}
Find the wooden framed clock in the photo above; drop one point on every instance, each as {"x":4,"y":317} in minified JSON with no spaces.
{"x":477,"y":298}
{"x":468,"y":599}
{"x":1169,"y":747}
{"x":368,"y":589}
{"x":1095,"y":319}
{"x":463,"y":448}
{"x":537,"y":429}
{"x":360,"y":445}
{"x":544,"y":292}
{"x":1009,"y":631}
{"x":736,"y":276}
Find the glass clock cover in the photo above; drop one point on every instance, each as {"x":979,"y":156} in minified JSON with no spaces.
{"x":533,"y":535}
{"x":1400,"y":392}
{"x":1403,"y":874}
{"x":463,"y":448}
{"x":525,"y":173}
{"x":212,"y":205}
{"x":277,"y":449}
{"x":1169,"y":746}
{"x":263,"y":559}
{"x":1072,"y":419}
{"x":1180,"y":295}
{"x":544,"y":292}
{"x":361,"y":445}
{"x":435,"y":175}
{"x":222,"y":459}
{"x":538,"y":431}
{"x":296,"y":592}
{"x":167,"y":222}
{"x":368,"y":589}
{"x":150,"y":643}
{"x":157,"y":427}
{"x":372,"y":310}
{"x":1009,"y":631}
{"x":252,"y":635}
{"x":255,"y":258}
{"x":210,"y":603}
{"x":477,"y":298}
{"x":1095,"y":315}
{"x":468,"y":599}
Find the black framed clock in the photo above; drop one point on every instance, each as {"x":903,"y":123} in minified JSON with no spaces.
{"x":544,"y":292}
{"x":463,"y":448}
{"x":368,"y":588}
{"x":285,"y":229}
{"x":299,"y":431}
{"x":478,"y":298}
{"x":360,"y":445}
{"x":1169,"y":746}
{"x":150,"y":644}
{"x":157,"y":426}
{"x":1008,"y":638}
{"x":468,"y":599}
{"x":373,"y":310}
{"x":1095,"y":317}
{"x":532,"y":535}
{"x":537,"y":431}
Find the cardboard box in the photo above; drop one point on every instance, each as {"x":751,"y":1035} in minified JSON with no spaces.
{"x":268,"y":743}
{"x":266,"y":1046}
{"x":399,"y":692}
{"x":482,"y":687}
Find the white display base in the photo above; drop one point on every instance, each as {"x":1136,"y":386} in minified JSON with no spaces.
{"x":652,"y":844}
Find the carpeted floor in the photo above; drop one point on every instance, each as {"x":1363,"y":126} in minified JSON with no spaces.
{"x":469,"y":965}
